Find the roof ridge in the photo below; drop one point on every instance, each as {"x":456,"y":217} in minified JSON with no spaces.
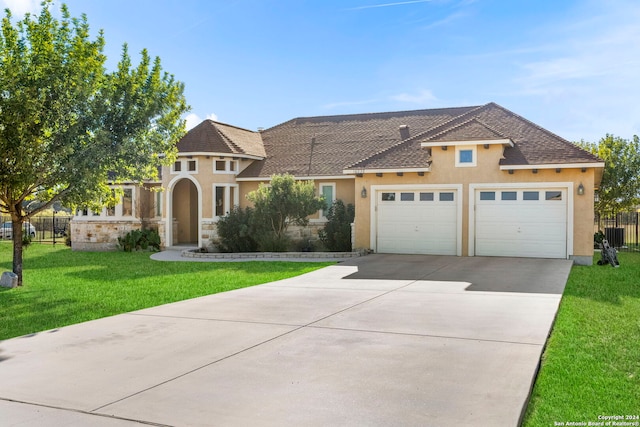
{"x":230,"y":125}
{"x":548,"y":132}
{"x":460,"y":125}
{"x":229,"y":141}
{"x":368,"y":115}
{"x":419,"y":135}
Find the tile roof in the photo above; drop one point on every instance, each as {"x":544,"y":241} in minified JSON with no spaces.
{"x":533,"y":145}
{"x":215,"y":137}
{"x":321,"y":146}
{"x":327,"y":145}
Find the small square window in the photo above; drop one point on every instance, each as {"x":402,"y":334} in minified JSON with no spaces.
{"x":221,"y":165}
{"x":177,"y":166}
{"x":426,"y":197}
{"x":446,"y":197}
{"x":466,"y":156}
{"x":531,"y":195}
{"x":407,"y":197}
{"x":509,"y":195}
{"x":487,"y":195}
{"x":388,"y":197}
{"x":191,"y":165}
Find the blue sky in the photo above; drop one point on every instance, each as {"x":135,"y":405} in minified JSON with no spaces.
{"x":571,"y":66}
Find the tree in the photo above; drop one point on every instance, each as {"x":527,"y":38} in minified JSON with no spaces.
{"x":620,"y":186}
{"x":286,"y":201}
{"x":336,"y":235}
{"x":68,"y":127}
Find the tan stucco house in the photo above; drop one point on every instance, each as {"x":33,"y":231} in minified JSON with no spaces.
{"x":469,"y":181}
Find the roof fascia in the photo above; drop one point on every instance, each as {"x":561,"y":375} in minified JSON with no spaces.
{"x":297,"y":178}
{"x":553,"y":166}
{"x":354,"y":171}
{"x":216,"y":154}
{"x":468,"y":142}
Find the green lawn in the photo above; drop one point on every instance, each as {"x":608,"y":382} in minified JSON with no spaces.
{"x":62,"y":287}
{"x":591,"y":366}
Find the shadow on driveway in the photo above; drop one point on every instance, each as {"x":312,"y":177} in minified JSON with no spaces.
{"x":486,"y":274}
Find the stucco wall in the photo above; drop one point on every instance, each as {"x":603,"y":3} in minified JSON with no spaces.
{"x":487,"y":171}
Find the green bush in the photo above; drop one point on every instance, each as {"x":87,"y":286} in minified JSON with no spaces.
{"x":236,"y":231}
{"x":139,"y":240}
{"x":336,"y":235}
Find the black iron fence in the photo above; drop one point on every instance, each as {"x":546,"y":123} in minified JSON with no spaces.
{"x":52,"y":228}
{"x":621,"y":230}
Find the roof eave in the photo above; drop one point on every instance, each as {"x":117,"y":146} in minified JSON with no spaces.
{"x":504,"y":141}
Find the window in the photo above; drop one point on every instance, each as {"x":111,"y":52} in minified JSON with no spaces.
{"x":553,"y":195}
{"x":388,"y":197}
{"x":192,"y":166}
{"x":219,"y":201}
{"x":127,"y":202}
{"x":509,"y":195}
{"x":159,"y":204}
{"x":531,"y":195}
{"x":328,"y":192}
{"x":487,"y":195}
{"x":446,"y":197}
{"x":465,"y":156}
{"x":426,"y":197}
{"x":177,"y":166}
{"x":221,"y":166}
{"x":233,"y":166}
{"x":407,"y":197}
{"x":111,"y":211}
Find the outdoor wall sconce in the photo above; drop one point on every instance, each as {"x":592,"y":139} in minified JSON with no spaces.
{"x":580,"y":190}
{"x":510,"y":171}
{"x":583,"y":170}
{"x":486,"y":146}
{"x":379,"y":174}
{"x":535,"y":171}
{"x":444,"y":148}
{"x":420,"y":173}
{"x":399,"y":173}
{"x":363,"y":193}
{"x":558,"y":170}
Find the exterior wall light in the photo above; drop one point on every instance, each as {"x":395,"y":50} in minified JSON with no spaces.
{"x":580,"y":190}
{"x":363,"y":193}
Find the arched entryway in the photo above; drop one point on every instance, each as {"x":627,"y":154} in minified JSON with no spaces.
{"x":185,"y":208}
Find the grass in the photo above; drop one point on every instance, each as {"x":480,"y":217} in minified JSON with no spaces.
{"x":62,"y":287}
{"x":591,"y":365}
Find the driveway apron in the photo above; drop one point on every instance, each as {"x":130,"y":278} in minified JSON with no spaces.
{"x":378,"y":340}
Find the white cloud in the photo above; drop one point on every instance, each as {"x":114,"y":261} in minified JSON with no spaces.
{"x":400,"y":3}
{"x":194,"y":120}
{"x":422,"y":97}
{"x":20,"y":7}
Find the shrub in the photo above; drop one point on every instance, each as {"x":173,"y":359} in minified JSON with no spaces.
{"x":286,"y":201}
{"x":236,"y":232}
{"x":139,"y":240}
{"x":336,"y":234}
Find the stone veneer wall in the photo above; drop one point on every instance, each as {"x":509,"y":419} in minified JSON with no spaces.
{"x":99,"y":235}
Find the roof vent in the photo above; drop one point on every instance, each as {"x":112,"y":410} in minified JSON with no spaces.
{"x":404,"y":132}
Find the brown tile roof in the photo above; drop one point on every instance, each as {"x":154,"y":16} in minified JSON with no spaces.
{"x":215,"y":137}
{"x":533,"y":145}
{"x":321,"y":146}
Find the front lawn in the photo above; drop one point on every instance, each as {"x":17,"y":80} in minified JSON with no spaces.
{"x":591,"y":366}
{"x":62,"y":287}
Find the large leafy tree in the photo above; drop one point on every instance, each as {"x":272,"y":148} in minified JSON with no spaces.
{"x":69,"y":127}
{"x":276,"y":206}
{"x":620,"y":186}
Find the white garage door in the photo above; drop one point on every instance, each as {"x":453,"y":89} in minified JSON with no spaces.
{"x":417,"y":222}
{"x":521,"y":222}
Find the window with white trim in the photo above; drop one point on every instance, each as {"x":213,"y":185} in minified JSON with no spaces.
{"x":225,"y":197}
{"x":158,"y":204}
{"x":328,"y":192}
{"x":225,"y":166}
{"x":466,"y":156}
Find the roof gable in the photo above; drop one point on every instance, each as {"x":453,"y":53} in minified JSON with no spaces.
{"x":215,"y":137}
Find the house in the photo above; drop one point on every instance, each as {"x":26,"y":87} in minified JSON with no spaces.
{"x":468,"y":181}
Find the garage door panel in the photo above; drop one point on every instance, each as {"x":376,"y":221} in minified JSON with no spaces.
{"x":417,"y":226}
{"x":524,"y":228}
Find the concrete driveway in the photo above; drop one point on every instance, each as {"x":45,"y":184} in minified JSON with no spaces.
{"x":380,"y":340}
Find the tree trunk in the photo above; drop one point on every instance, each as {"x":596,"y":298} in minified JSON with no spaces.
{"x":17,"y":249}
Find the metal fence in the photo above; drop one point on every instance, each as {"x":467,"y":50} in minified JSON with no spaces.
{"x":48,"y":229}
{"x":621,"y":230}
